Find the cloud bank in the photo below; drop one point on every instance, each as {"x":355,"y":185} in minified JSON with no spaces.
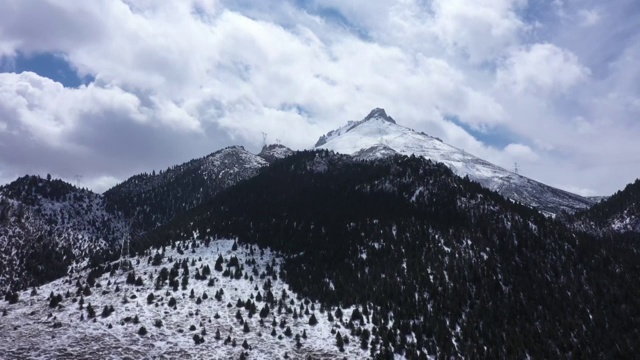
{"x":552,"y":86}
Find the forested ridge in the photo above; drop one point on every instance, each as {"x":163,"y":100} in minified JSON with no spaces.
{"x":150,"y":200}
{"x":437,"y":263}
{"x":48,"y":226}
{"x":618,"y":213}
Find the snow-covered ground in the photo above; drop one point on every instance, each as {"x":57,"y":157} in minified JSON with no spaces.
{"x":274,"y":151}
{"x":32,"y":329}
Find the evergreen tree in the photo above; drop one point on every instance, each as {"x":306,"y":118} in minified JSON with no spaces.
{"x":312,"y":320}
{"x":339,"y":342}
{"x":91,"y":313}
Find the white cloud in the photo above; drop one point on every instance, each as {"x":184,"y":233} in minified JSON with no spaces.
{"x":521,"y":152}
{"x":579,"y":190}
{"x":588,"y":17}
{"x":179,"y":79}
{"x":541,"y":69}
{"x":98,"y":184}
{"x":45,"y":111}
{"x":482,"y":30}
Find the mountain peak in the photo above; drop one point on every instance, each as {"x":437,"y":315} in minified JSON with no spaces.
{"x":379,"y":113}
{"x":363,"y":139}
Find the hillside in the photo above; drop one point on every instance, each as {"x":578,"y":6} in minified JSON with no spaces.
{"x":150,"y":200}
{"x":48,"y":227}
{"x":619,"y":213}
{"x":188,"y":307}
{"x":449,"y":268}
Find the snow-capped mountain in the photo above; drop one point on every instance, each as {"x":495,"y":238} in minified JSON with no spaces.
{"x":378,"y":135}
{"x":49,"y":227}
{"x":447,"y":268}
{"x":395,"y":258}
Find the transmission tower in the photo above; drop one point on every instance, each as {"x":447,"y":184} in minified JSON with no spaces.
{"x":126,"y":242}
{"x":264,"y":138}
{"x":515,"y":168}
{"x":78,"y":180}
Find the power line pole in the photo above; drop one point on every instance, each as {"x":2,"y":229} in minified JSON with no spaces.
{"x":126,"y":243}
{"x":78,"y":179}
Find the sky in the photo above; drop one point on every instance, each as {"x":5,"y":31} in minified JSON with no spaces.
{"x":106,"y":89}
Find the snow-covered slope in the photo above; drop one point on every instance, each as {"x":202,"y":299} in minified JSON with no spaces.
{"x":378,"y":135}
{"x":273,"y":152}
{"x":36,"y":327}
{"x":48,"y":227}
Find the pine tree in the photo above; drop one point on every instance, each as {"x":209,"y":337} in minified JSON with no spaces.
{"x":312,"y":320}
{"x":265,"y":311}
{"x":90,"y":312}
{"x":219,"y":262}
{"x":339,"y":342}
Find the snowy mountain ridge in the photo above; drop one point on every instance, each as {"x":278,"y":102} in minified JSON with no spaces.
{"x":378,"y":135}
{"x":153,"y":199}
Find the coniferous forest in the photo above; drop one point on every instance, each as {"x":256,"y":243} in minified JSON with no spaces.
{"x":434,"y":261}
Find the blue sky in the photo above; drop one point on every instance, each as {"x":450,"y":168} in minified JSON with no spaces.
{"x":110,"y":88}
{"x":46,"y":64}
